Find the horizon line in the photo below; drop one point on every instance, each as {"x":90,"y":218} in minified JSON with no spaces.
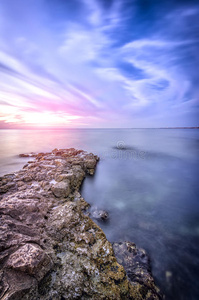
{"x":65,"y":128}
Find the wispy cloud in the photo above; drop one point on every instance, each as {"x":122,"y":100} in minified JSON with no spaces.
{"x":156,"y":43}
{"x":98,"y":63}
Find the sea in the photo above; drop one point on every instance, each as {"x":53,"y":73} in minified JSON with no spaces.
{"x":147,"y":180}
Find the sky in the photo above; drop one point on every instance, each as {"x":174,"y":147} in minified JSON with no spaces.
{"x":99,"y":63}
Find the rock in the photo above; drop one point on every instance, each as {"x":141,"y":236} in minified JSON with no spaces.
{"x":103,"y":215}
{"x":99,"y":214}
{"x":90,"y":163}
{"x":65,"y":177}
{"x":49,"y":249}
{"x":61,"y":189}
{"x":137,"y":266}
{"x":30,"y":259}
{"x":32,"y":154}
{"x":17,"y":285}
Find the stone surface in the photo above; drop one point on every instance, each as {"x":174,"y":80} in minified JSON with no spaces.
{"x":61,"y":189}
{"x":137,"y":265}
{"x":49,"y":249}
{"x":30,"y":259}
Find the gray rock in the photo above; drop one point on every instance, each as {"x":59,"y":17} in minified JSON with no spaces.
{"x":61,"y":189}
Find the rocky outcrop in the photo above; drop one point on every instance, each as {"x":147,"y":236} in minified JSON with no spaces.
{"x":49,"y":249}
{"x":137,"y":266}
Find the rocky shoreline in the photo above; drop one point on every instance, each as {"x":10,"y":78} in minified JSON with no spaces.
{"x":51,"y":249}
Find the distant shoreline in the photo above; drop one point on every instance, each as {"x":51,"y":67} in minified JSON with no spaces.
{"x":170,"y":128}
{"x":45,"y":128}
{"x":176,"y":128}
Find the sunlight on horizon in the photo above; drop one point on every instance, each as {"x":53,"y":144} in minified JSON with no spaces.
{"x":46,"y":118}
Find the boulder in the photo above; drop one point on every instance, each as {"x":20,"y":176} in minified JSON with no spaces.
{"x":61,"y":189}
{"x":30,"y":259}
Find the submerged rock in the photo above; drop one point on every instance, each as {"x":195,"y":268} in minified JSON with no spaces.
{"x":99,"y":214}
{"x":49,"y":249}
{"x":137,"y":266}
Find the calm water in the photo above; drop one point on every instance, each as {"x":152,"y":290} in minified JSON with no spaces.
{"x":148,"y":181}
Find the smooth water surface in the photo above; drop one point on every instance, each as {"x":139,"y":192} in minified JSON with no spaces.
{"x":148,"y":181}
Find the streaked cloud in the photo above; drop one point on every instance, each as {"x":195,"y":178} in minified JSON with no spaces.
{"x":92,"y":63}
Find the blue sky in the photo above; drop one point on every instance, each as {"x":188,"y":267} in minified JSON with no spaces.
{"x":99,"y":63}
